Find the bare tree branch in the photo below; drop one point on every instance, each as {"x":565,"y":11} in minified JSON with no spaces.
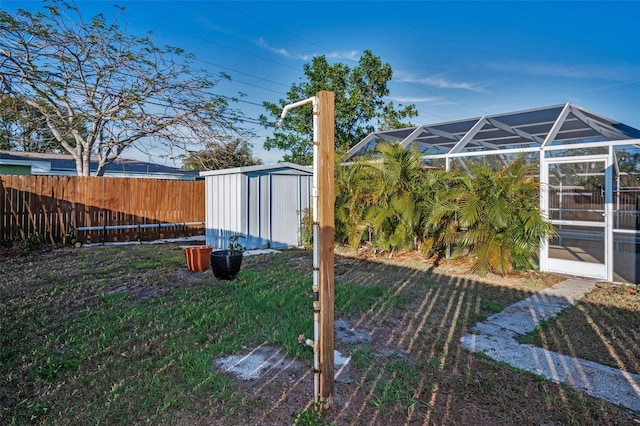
{"x":100,"y":90}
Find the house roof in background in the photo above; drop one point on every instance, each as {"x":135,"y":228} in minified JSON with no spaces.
{"x":61,"y":164}
{"x":275,"y":168}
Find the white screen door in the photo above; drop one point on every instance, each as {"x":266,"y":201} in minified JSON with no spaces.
{"x":578,"y":197}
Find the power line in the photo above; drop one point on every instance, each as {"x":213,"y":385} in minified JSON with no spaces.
{"x":234,"y":117}
{"x":258,"y":87}
{"x":174,"y":30}
{"x":267,"y":24}
{"x":241,"y":72}
{"x":211,"y":63}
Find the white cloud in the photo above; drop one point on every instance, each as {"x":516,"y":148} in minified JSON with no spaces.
{"x":439,"y":81}
{"x":352,"y":55}
{"x":433,"y":100}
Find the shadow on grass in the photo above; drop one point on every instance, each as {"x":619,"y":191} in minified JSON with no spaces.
{"x":413,"y":368}
{"x":604,"y":327}
{"x":146,"y":334}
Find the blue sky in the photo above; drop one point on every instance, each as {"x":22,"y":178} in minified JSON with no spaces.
{"x":453,"y":60}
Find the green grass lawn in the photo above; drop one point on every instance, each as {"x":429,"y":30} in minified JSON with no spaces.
{"x":127,"y":335}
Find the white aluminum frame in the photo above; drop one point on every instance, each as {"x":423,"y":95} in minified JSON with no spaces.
{"x":592,"y":270}
{"x":560,"y":129}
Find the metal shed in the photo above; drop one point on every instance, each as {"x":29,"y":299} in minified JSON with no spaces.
{"x":265,"y":203}
{"x":588,"y":169}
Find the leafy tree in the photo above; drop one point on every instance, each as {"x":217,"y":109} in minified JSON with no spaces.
{"x":359,"y":93}
{"x":221,"y":155}
{"x":629,"y":162}
{"x":100,"y":90}
{"x":22,"y":128}
{"x":629,"y":167}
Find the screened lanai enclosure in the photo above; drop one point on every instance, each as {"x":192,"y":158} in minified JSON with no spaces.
{"x":588,"y":169}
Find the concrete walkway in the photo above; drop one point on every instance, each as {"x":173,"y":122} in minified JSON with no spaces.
{"x":496,"y":338}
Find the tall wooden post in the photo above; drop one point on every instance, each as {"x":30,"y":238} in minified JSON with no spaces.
{"x":326,"y":202}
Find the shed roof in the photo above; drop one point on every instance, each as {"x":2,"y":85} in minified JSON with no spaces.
{"x":275,"y":168}
{"x":559,"y":124}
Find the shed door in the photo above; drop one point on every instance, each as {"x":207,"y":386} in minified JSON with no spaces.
{"x":578,"y":199}
{"x":285,"y":211}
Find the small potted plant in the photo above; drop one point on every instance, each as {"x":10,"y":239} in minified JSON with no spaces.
{"x":225,"y":264}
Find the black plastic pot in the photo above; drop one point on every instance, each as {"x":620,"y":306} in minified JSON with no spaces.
{"x":225,"y":266}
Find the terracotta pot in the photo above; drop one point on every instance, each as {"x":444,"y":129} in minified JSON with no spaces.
{"x":225,"y":266}
{"x":198,"y":258}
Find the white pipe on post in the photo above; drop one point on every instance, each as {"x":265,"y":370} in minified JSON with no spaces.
{"x":316,"y":250}
{"x":316,"y":258}
{"x":289,"y":107}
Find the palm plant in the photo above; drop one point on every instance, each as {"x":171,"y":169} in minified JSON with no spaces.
{"x":435,"y":184}
{"x":495,"y":216}
{"x":396,"y":213}
{"x":353,"y":196}
{"x":390,"y":197}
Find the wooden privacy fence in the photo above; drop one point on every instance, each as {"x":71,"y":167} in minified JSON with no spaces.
{"x":99,"y":209}
{"x":588,"y":205}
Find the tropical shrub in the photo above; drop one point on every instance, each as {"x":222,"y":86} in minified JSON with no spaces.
{"x":396,"y":212}
{"x":492,"y":216}
{"x":398,"y":204}
{"x":353,"y":197}
{"x":387,"y":200}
